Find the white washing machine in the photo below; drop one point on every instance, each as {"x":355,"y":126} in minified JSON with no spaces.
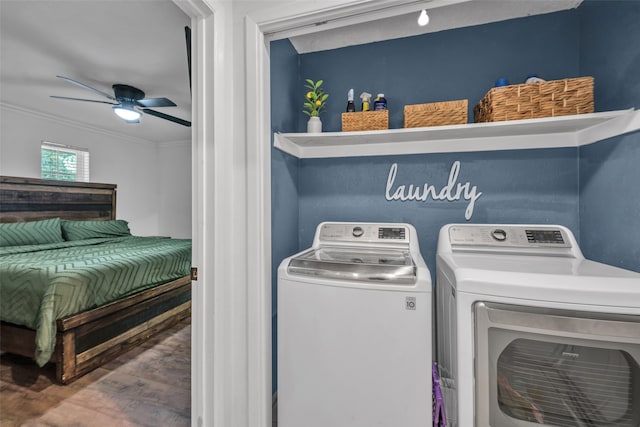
{"x":354,"y":330}
{"x":530,"y":333}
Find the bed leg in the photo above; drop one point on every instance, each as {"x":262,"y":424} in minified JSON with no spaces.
{"x":66,"y":365}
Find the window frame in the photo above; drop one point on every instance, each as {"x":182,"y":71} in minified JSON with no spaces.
{"x":82,"y":164}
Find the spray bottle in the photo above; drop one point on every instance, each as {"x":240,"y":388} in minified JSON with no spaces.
{"x":380,"y":103}
{"x":366,"y":99}
{"x":351,"y":107}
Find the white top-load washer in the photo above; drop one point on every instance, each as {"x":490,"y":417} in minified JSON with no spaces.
{"x":354,"y":329}
{"x":529,"y":332}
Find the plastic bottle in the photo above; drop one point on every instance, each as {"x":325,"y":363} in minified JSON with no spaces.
{"x":366,"y":100}
{"x":380,"y":103}
{"x":351,"y":107}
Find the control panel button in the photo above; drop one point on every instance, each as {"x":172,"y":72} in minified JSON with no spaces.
{"x":499,"y":235}
{"x":357,"y":231}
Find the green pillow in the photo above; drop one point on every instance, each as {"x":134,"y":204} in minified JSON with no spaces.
{"x":31,"y":233}
{"x":81,"y":230}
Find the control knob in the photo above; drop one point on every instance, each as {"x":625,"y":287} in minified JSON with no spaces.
{"x":499,"y":235}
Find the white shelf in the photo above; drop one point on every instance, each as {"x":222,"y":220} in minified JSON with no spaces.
{"x":551,"y":132}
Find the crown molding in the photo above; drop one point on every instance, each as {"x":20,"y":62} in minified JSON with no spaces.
{"x":73,"y":123}
{"x":166,"y":144}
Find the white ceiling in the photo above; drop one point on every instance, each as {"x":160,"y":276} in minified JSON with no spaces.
{"x":398,"y":18}
{"x":141,"y":43}
{"x":97,"y":42}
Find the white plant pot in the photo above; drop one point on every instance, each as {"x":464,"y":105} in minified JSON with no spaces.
{"x":314,"y":125}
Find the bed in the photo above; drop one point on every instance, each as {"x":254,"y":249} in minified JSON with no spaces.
{"x":98,"y":290}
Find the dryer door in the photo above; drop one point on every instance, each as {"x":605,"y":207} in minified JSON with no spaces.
{"x":537,"y":366}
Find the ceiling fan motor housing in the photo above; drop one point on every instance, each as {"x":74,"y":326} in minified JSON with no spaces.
{"x":127,"y":92}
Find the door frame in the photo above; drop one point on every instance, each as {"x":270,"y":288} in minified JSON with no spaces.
{"x":231,"y":199}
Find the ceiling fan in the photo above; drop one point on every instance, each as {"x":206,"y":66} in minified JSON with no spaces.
{"x":128,"y":102}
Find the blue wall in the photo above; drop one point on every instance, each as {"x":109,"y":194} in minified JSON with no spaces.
{"x":448,"y":65}
{"x":284,"y":171}
{"x":609,"y":170}
{"x":285,"y":83}
{"x":537,"y":186}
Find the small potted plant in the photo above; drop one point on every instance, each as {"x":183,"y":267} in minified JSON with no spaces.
{"x":315,"y":101}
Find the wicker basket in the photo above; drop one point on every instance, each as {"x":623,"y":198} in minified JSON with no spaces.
{"x":366,"y":120}
{"x":536,"y":100}
{"x":436,"y":114}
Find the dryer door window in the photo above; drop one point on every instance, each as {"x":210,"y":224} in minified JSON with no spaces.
{"x":563,"y":384}
{"x":547,"y":367}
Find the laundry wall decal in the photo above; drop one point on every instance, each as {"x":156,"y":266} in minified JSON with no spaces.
{"x":452,"y":191}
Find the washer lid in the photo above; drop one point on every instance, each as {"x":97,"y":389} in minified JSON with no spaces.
{"x":346,"y":263}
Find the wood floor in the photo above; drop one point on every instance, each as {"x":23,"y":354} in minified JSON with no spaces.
{"x":148,"y":386}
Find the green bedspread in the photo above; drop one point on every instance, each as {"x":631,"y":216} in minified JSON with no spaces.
{"x":42,"y":283}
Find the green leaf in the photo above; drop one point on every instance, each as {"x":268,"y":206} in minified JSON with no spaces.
{"x":319,"y":83}
{"x":324,"y":97}
{"x":310,"y":82}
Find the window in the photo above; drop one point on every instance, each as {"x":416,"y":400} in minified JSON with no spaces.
{"x":64,"y":162}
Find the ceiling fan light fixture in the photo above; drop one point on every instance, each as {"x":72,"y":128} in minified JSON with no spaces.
{"x":127,"y":112}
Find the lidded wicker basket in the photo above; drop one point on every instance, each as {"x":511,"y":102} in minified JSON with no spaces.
{"x":536,"y":100}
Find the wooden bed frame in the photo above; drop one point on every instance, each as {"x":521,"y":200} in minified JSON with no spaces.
{"x":86,"y":340}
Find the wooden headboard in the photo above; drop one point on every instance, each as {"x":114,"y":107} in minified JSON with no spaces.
{"x":31,"y":199}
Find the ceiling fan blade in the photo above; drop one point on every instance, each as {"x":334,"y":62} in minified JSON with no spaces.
{"x":82,"y":85}
{"x":167,"y":117}
{"x":85,"y":100}
{"x":155,"y":102}
{"x":187,"y":35}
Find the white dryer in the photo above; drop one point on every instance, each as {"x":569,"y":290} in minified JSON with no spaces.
{"x":529,"y":332}
{"x":354,"y":330}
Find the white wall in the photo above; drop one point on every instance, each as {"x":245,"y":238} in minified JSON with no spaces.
{"x":174,"y":168}
{"x":134,"y":165}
